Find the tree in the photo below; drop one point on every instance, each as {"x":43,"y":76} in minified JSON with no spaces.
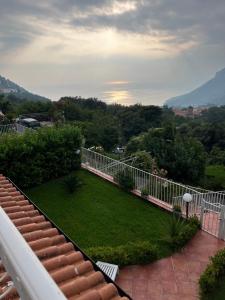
{"x":109,"y":137}
{"x":143,"y":160}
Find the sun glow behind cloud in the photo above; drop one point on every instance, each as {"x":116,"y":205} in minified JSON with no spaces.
{"x":64,"y":44}
{"x":137,"y":49}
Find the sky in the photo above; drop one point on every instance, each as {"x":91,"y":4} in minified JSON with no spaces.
{"x":127,"y":51}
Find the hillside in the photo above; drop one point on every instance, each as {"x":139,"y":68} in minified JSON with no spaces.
{"x":7,"y":87}
{"x":210,"y":93}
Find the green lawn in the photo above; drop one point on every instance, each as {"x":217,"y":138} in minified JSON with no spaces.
{"x":101,"y":214}
{"x":216,"y":177}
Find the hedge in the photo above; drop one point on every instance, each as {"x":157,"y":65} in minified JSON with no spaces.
{"x":35,"y":157}
{"x":130,"y":254}
{"x":213,"y":274}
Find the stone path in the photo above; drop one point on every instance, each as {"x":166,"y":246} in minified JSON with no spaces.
{"x":172,"y":278}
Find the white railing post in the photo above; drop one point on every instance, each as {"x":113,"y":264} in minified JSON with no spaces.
{"x":202,"y":211}
{"x":221,"y":233}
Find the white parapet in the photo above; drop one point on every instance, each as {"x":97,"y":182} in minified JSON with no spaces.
{"x":29,"y":276}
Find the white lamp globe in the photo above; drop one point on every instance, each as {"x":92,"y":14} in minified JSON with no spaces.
{"x":187,"y":197}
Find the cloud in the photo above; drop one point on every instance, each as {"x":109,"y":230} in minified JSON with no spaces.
{"x":178,"y":21}
{"x":154,"y":44}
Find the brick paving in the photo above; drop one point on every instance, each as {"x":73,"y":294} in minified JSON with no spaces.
{"x":172,"y":278}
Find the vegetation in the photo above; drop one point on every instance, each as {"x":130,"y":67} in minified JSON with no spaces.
{"x":212,"y":278}
{"x":183,"y":158}
{"x":129,"y":254}
{"x":167,"y":145}
{"x":218,"y":293}
{"x":215,"y":177}
{"x":177,"y":208}
{"x":181,"y":231}
{"x":72,"y":183}
{"x":125,"y":180}
{"x":144,"y":193}
{"x":100,"y":214}
{"x":36,"y":157}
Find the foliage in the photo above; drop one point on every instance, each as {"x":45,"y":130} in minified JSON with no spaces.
{"x":180,"y":147}
{"x":181,"y":231}
{"x":214,"y":273}
{"x":134,"y":144}
{"x":38,"y":156}
{"x":177,"y":208}
{"x":125,"y":180}
{"x":143,"y":161}
{"x":119,"y":121}
{"x":216,"y":156}
{"x":100,"y":213}
{"x":129,"y":254}
{"x":184,"y":159}
{"x":71,"y":183}
{"x":144,"y":192}
{"x":215,"y":177}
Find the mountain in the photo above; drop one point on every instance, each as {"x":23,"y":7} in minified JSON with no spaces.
{"x":8,"y":87}
{"x":210,"y":93}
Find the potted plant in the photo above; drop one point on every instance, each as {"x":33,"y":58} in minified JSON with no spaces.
{"x":144,"y":193}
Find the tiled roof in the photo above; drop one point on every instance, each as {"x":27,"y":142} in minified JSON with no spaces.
{"x":74,"y":275}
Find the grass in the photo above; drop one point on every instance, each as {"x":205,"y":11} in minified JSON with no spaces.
{"x":101,"y":214}
{"x":215,"y":175}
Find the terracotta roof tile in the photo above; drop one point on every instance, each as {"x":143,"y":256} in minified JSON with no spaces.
{"x":73,"y":273}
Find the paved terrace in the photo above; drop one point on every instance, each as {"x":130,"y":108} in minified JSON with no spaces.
{"x":175,"y":277}
{"x":172,"y":278}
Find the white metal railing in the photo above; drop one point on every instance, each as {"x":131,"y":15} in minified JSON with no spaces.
{"x":13,"y":128}
{"x":207,"y":205}
{"x":156,"y":186}
{"x":215,"y":199}
{"x":194,"y":205}
{"x":7,"y":128}
{"x":28,"y":275}
{"x":210,"y":218}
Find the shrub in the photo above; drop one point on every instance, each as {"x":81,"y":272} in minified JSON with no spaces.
{"x":125,"y":180}
{"x":71,"y":183}
{"x":130,"y":254}
{"x":177,"y":208}
{"x":180,"y":231}
{"x":214,"y":273}
{"x":35,"y":157}
{"x":144,"y":193}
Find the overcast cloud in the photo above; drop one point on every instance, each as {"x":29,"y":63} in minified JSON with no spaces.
{"x":149,"y":50}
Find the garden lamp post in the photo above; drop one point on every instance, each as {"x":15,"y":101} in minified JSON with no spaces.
{"x":187,"y":199}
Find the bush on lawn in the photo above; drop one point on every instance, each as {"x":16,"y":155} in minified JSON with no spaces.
{"x":125,"y":180}
{"x":71,"y":183}
{"x":130,"y":254}
{"x":35,"y":157}
{"x":213,"y":275}
{"x":180,"y":231}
